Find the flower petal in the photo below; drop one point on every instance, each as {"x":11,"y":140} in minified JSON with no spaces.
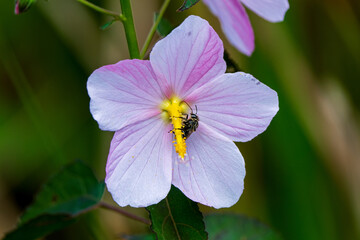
{"x":271,"y":10}
{"x":138,"y":170}
{"x":214,"y":170}
{"x":235,"y":23}
{"x":189,"y":56}
{"x":123,"y":93}
{"x":237,"y":105}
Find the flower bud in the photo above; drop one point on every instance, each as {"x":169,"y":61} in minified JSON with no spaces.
{"x":23,"y":5}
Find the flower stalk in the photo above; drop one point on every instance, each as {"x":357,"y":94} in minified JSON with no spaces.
{"x":153,"y":29}
{"x":130,"y":29}
{"x":123,"y":212}
{"x":116,"y":16}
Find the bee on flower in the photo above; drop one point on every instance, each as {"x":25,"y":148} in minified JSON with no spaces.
{"x":146,"y":102}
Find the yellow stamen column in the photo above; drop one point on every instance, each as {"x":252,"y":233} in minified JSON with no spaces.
{"x":174,"y":110}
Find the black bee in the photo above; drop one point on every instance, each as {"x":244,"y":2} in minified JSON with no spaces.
{"x":190,"y":124}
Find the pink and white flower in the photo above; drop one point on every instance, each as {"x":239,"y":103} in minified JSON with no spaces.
{"x":235,"y":21}
{"x":144,"y":102}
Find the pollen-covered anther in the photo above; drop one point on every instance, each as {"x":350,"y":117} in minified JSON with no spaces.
{"x":173,"y":110}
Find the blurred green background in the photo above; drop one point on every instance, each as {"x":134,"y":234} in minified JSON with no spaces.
{"x":303,"y":173}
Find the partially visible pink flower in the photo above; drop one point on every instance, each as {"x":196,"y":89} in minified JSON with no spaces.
{"x":144,"y":102}
{"x":23,"y":5}
{"x":17,"y":7}
{"x":235,"y":21}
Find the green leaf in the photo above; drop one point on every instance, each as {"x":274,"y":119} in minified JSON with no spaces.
{"x":23,"y":5}
{"x":164,"y":27}
{"x":177,"y":217}
{"x":73,"y":190}
{"x":108,"y":24}
{"x":187,"y":4}
{"x":231,"y":226}
{"x":40,"y":226}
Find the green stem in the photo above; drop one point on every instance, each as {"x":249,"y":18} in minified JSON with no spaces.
{"x":130,"y":29}
{"x":115,"y":15}
{"x":153,"y":28}
{"x":123,"y":212}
